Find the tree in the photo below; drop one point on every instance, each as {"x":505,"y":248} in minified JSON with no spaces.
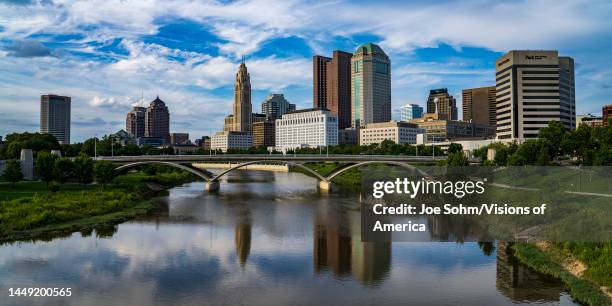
{"x":554,"y":134}
{"x":13,"y":173}
{"x":83,"y":168}
{"x":454,"y":148}
{"x":35,"y":141}
{"x":501,"y":156}
{"x":63,"y":169}
{"x":457,"y":159}
{"x":104,"y":172}
{"x":543,"y":157}
{"x":45,"y":163}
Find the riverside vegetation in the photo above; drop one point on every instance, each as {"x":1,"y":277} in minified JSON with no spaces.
{"x":79,"y":194}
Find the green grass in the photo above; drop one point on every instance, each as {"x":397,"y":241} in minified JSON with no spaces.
{"x":597,"y":257}
{"x":28,"y":209}
{"x":29,"y":188}
{"x":547,"y":263}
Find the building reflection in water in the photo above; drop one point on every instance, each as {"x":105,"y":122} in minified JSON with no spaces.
{"x":521,"y":284}
{"x":337,"y":247}
{"x":242,"y":234}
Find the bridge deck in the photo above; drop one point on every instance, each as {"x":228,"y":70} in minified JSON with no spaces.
{"x":279,"y":157}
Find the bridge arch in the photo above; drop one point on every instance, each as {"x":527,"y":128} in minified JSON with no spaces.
{"x":344,"y":168}
{"x":316,"y":174}
{"x":199,"y":173}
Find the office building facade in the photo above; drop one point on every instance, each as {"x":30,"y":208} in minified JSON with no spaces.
{"x":606,"y":114}
{"x":438,"y":129}
{"x":479,"y":105}
{"x":532,"y":89}
{"x":398,"y":132}
{"x":179,"y":138}
{"x":264,"y":134}
{"x":410,"y":111}
{"x":442,"y":103}
{"x":157,"y":120}
{"x":306,"y":128}
{"x":370,"y":86}
{"x":275,"y":105}
{"x":55,"y":117}
{"x":135,"y":121}
{"x":231,"y":140}
{"x":319,"y":81}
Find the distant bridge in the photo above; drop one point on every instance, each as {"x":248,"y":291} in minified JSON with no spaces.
{"x":185,"y":162}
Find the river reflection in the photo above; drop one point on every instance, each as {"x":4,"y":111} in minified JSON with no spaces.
{"x":265,"y":239}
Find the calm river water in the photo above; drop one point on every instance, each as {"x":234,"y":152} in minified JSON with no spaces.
{"x":265,"y":239}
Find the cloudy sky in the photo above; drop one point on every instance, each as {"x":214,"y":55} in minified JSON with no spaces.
{"x":105,"y":54}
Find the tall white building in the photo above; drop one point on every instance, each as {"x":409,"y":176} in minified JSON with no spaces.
{"x":532,"y":89}
{"x":398,"y":132}
{"x":231,"y":140}
{"x":410,"y":111}
{"x":306,"y":128}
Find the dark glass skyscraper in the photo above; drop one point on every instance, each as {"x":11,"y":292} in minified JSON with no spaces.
{"x":157,"y":120}
{"x":55,"y":117}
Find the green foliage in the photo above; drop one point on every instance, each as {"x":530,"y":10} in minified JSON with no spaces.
{"x":545,"y":263}
{"x":63,"y":169}
{"x":12,"y":172}
{"x":501,"y":156}
{"x":45,"y":163}
{"x":457,"y":159}
{"x":104,"y":172}
{"x":35,"y":141}
{"x":454,"y":148}
{"x":53,"y":187}
{"x":83,"y":168}
{"x":553,"y":134}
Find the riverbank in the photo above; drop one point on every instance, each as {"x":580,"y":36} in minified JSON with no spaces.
{"x":32,"y":212}
{"x":552,"y":260}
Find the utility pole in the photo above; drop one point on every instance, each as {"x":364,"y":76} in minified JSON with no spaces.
{"x":95,"y":146}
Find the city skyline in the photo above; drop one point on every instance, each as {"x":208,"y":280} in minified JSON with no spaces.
{"x":189,"y":57}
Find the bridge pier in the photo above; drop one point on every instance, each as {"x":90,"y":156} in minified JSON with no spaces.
{"x":325,"y":186}
{"x":212,"y":186}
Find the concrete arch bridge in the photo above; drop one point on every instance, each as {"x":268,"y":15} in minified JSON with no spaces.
{"x":185,"y":162}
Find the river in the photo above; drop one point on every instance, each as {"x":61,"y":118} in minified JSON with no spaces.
{"x":265,"y":239}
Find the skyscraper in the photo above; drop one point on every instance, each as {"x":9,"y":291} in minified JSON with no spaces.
{"x":410,"y":111}
{"x":135,"y":121}
{"x":319,"y":79}
{"x":275,"y":105}
{"x":479,"y":105}
{"x":339,"y":87}
{"x":441,"y":103}
{"x":240,"y":120}
{"x":55,"y":117}
{"x":157,"y":120}
{"x":532,"y":89}
{"x":370,"y":85}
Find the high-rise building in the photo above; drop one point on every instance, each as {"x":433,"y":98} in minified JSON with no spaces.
{"x":410,"y":111}
{"x":319,"y":81}
{"x":479,"y":105}
{"x":442,"y":103}
{"x":339,"y":87}
{"x":179,"y":138}
{"x":370,"y":85}
{"x":275,"y":105}
{"x":55,"y":117}
{"x":157,"y":120}
{"x":263,"y":134}
{"x":240,"y":120}
{"x":606,"y":114}
{"x":307,"y":128}
{"x":532,"y":89}
{"x":135,"y":121}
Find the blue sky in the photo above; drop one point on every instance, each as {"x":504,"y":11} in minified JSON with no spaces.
{"x":106,"y":53}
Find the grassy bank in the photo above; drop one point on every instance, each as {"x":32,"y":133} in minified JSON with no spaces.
{"x":550,"y":262}
{"x":29,"y":210}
